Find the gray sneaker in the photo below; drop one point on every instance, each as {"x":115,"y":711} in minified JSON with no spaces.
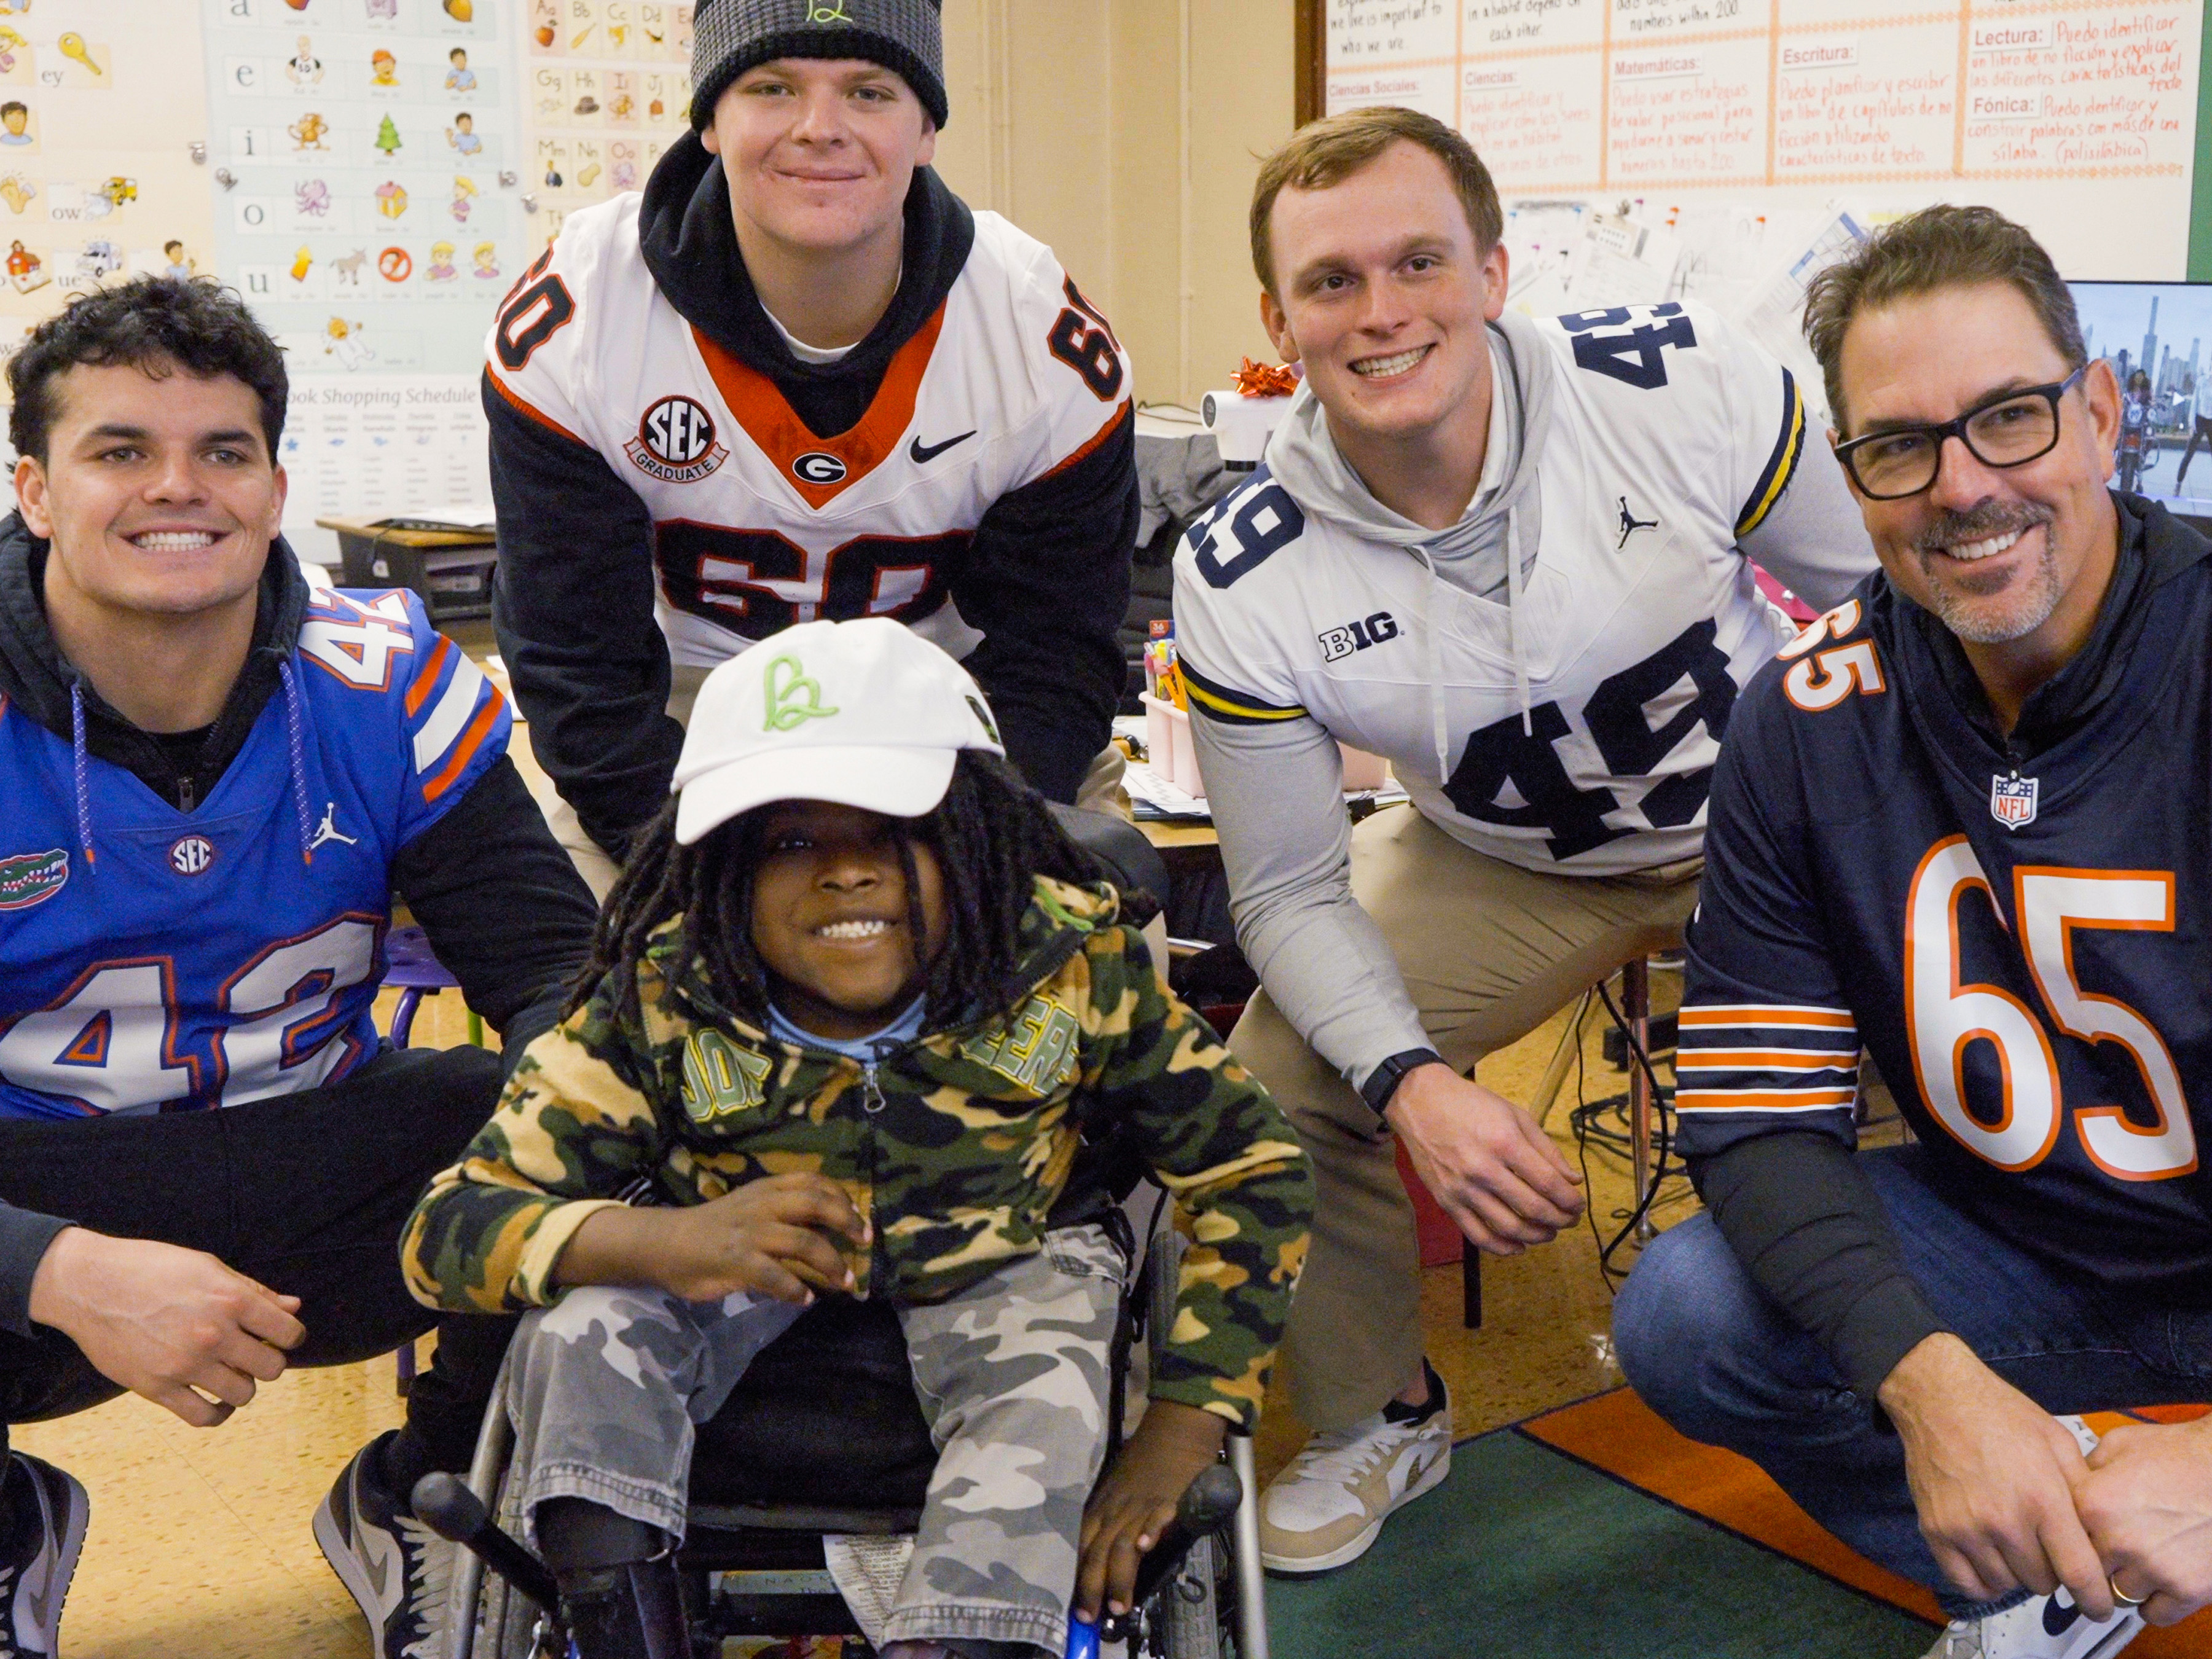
{"x":39,"y":1556}
{"x":396,"y":1569}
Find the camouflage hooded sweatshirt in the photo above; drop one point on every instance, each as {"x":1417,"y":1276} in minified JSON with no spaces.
{"x":960,"y":1148}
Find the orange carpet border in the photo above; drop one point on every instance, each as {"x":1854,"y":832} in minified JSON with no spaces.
{"x":1619,"y":1435}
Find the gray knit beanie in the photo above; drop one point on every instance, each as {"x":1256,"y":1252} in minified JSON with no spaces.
{"x":728,"y":37}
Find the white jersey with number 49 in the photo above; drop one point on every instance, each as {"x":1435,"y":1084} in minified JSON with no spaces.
{"x":758,"y":523}
{"x":1670,"y":439}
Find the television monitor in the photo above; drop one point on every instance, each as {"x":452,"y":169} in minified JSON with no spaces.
{"x":2161,"y":331}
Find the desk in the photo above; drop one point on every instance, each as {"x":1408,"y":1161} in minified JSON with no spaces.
{"x":450,"y":569}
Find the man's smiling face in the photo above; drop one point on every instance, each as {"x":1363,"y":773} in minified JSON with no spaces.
{"x":819,"y":152}
{"x":1998,"y":554}
{"x":1384,"y":295}
{"x":157,"y":491}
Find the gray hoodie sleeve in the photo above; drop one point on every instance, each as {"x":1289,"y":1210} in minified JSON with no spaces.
{"x":24,"y":1235}
{"x":1813,"y":541}
{"x":1277,"y":794}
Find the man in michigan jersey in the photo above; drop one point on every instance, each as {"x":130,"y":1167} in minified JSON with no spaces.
{"x":215,"y":775}
{"x":1962,"y":825}
{"x":1510,"y":555}
{"x":796,"y":379}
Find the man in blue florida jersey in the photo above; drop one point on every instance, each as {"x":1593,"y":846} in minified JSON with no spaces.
{"x":215,"y":775}
{"x":1963,"y":823}
{"x":1513,"y":555}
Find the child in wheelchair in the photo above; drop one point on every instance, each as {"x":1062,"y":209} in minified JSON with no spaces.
{"x":861,"y":1021}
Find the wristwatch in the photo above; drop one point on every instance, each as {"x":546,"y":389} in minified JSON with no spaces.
{"x":1383,"y":1082}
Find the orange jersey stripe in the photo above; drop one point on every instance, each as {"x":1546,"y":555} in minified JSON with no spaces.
{"x":419,"y":693}
{"x":1751,"y":1014}
{"x":467,"y":746}
{"x":1126,"y":412}
{"x":531,"y":410}
{"x":1765,"y":1060}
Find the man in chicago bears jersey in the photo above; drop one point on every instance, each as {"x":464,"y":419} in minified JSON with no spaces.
{"x":797,"y":377}
{"x":215,"y":775}
{"x":1510,"y":555}
{"x":1962,"y":825}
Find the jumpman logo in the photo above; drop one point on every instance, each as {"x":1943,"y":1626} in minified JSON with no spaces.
{"x":1629,"y":523}
{"x":328,"y":828}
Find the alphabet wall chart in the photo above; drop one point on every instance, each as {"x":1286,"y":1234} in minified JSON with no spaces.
{"x":607,"y":86}
{"x":97,"y":176}
{"x":368,"y":207}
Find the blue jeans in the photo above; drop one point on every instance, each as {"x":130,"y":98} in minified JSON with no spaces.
{"x":1712,"y":1355}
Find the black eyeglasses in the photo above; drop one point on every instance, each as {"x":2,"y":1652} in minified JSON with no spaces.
{"x":2010,"y":430}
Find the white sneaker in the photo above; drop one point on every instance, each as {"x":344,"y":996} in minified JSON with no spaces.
{"x":2047,"y":1627}
{"x":1329,"y":1505}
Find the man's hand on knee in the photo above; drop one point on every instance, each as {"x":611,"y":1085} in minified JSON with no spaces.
{"x":1485,"y":1160}
{"x":2147,"y":1504}
{"x":174,"y":1325}
{"x":1993,"y":1477}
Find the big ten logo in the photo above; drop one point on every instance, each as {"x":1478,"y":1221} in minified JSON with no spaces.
{"x":1342,"y":641}
{"x":720,"y":1078}
{"x":1032,"y":1050}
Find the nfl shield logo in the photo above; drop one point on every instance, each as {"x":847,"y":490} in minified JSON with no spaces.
{"x":2012,"y":801}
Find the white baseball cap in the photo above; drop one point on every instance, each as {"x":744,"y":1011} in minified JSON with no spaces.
{"x":867,"y":714}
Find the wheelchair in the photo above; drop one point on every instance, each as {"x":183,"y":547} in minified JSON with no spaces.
{"x":791,"y":1458}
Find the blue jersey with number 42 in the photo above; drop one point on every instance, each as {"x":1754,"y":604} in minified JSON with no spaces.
{"x":230,"y":953}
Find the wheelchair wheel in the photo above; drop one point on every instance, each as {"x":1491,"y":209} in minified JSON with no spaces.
{"x":1192,"y":1615}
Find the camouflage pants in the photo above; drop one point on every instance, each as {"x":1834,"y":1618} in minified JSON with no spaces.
{"x":606,"y":1386}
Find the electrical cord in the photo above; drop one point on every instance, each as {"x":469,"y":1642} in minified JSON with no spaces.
{"x":1587,"y":1121}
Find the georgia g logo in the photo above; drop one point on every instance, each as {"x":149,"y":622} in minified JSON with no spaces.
{"x":675,"y":442}
{"x":818,"y":467}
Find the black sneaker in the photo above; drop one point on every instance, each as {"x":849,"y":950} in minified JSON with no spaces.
{"x":397,"y":1569}
{"x":36,"y":1561}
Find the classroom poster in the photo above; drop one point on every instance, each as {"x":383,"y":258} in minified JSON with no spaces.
{"x":607,"y":87}
{"x":369,"y":211}
{"x":97,"y":173}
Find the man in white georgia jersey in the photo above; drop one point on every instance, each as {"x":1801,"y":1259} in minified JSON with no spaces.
{"x":796,"y":379}
{"x":1509,"y":556}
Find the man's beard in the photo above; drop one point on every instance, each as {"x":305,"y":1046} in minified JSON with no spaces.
{"x":2023,"y":606}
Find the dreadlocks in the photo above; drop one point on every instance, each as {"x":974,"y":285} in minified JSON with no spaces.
{"x":992,"y":835}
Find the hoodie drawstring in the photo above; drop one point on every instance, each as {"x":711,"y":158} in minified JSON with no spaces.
{"x":83,"y":785}
{"x":299,"y":759}
{"x":1432,"y":666}
{"x":1513,"y":614}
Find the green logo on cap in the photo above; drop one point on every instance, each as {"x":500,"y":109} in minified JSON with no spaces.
{"x":796,"y":700}
{"x":832,"y":13}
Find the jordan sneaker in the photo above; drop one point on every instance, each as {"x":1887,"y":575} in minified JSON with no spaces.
{"x":45,"y":1511}
{"x":1329,"y":1505}
{"x":397,"y":1569}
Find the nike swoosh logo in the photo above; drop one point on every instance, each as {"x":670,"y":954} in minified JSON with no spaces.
{"x":920,"y":451}
{"x":2057,"y":1620}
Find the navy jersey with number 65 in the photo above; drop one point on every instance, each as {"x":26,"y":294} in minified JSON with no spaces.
{"x":2026,"y":953}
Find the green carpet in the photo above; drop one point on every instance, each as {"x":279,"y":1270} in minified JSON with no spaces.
{"x":1525,"y":1553}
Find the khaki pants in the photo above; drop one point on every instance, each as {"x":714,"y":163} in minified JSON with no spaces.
{"x":1488,"y":953}
{"x":1100,"y":791}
